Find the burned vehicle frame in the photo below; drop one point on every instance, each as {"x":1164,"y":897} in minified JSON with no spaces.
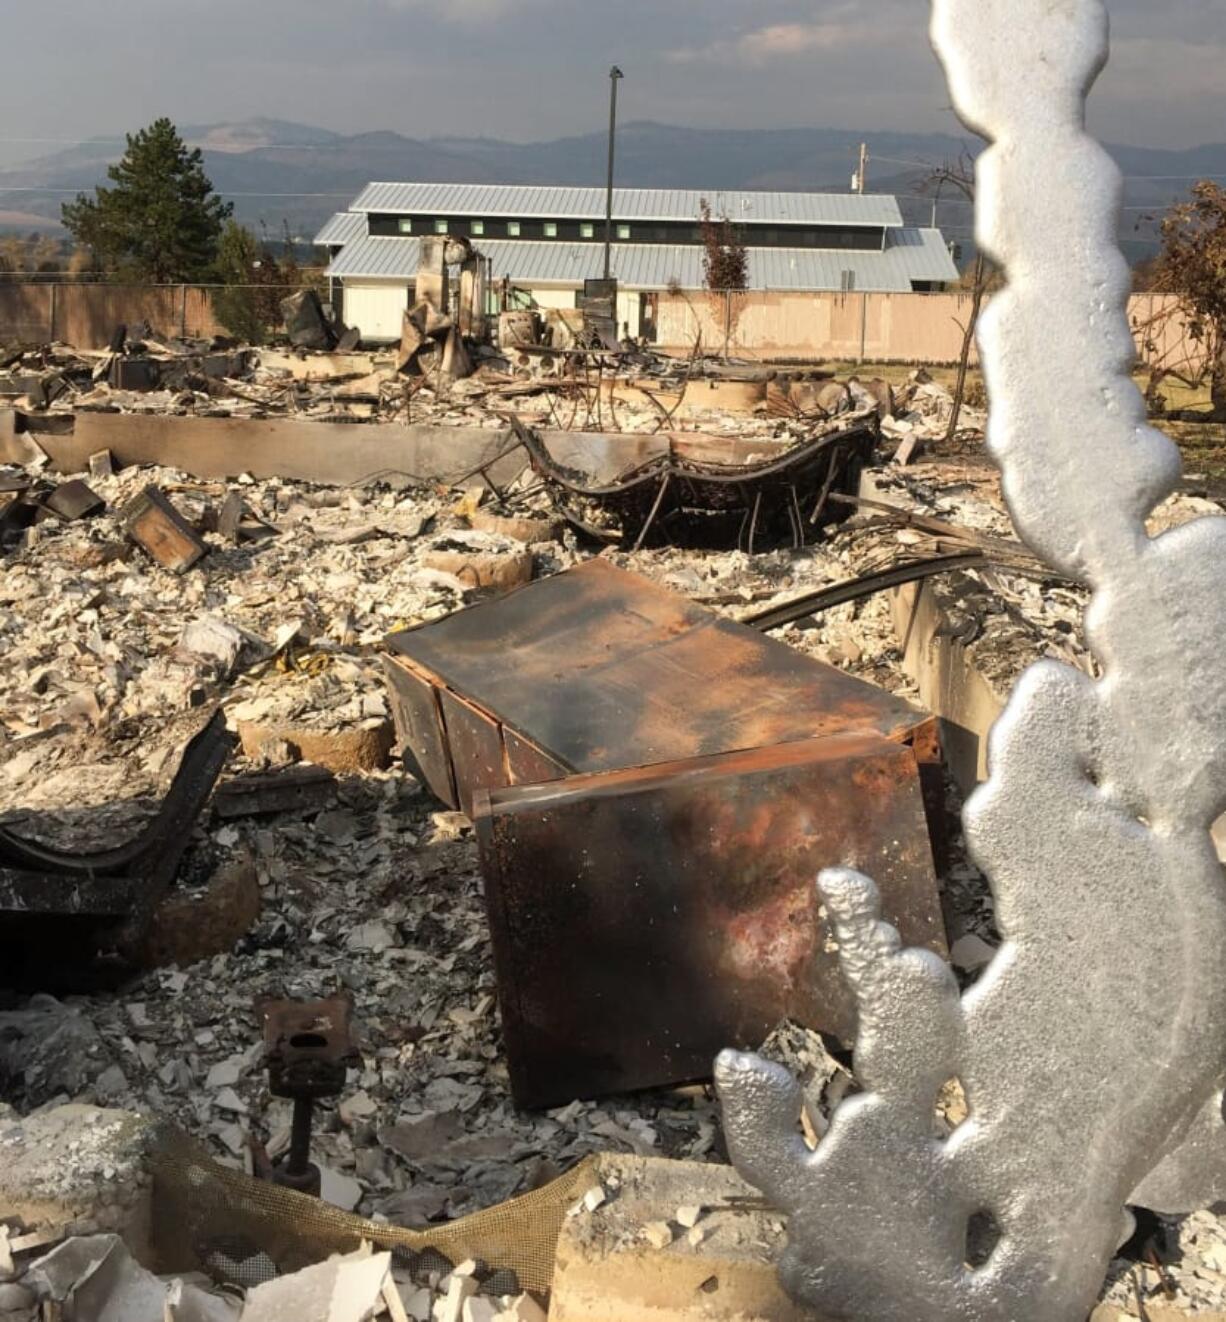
{"x":686,"y":501}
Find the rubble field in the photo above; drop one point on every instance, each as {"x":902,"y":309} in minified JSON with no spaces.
{"x":368,"y":886}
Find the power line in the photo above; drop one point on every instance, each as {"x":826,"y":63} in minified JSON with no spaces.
{"x":1134,"y":178}
{"x":237,"y":149}
{"x":34,"y":188}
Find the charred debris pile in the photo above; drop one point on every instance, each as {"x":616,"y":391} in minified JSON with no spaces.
{"x":510,"y":764}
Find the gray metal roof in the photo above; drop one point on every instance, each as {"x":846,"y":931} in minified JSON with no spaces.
{"x":629,"y":204}
{"x":344,"y":227}
{"x":910,"y":254}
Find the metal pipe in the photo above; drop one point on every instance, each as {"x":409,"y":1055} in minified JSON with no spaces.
{"x":298,"y":1162}
{"x":615,"y":76}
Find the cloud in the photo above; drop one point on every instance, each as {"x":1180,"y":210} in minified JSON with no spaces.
{"x":469,"y":13}
{"x":774,"y":42}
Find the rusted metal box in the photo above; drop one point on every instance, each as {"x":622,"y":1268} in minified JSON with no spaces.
{"x":157,"y":527}
{"x":655,"y":789}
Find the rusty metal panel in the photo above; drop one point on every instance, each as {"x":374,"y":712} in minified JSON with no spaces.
{"x":475,"y":741}
{"x":643,"y":918}
{"x":419,"y":726}
{"x":605,"y":670}
{"x":528,"y":764}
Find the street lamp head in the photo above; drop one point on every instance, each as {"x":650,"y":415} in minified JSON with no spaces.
{"x":615,"y":72}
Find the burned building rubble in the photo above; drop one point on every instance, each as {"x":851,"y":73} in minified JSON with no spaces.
{"x":522,"y":549}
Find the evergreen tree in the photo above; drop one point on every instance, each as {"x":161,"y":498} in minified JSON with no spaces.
{"x":162,"y":221}
{"x":238,"y":258}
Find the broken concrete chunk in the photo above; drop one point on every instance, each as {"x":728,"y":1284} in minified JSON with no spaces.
{"x":340,"y":751}
{"x":225,"y":1074}
{"x":361,"y":1106}
{"x":348,"y":1289}
{"x":77,"y":1170}
{"x":659,"y":1234}
{"x":101,"y":464}
{"x":523,"y":1309}
{"x":74,"y":500}
{"x":971,"y":953}
{"x":230,"y":517}
{"x":339,"y":1190}
{"x":532,"y":532}
{"x":418,"y":1304}
{"x":608,"y":1270}
{"x":459,"y":1290}
{"x":154,"y":524}
{"x":15,"y":1298}
{"x":480,"y":568}
{"x":374,"y":937}
{"x":212,"y":639}
{"x":96,"y":1278}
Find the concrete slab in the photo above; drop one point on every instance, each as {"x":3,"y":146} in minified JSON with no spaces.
{"x":623,"y":1253}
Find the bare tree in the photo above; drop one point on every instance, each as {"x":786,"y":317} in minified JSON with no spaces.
{"x":960,"y":176}
{"x":1186,"y":339}
{"x":725,"y":262}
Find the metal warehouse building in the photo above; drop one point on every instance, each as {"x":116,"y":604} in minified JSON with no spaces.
{"x":548,"y":241}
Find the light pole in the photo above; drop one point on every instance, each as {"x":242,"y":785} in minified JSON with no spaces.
{"x":615,"y":76}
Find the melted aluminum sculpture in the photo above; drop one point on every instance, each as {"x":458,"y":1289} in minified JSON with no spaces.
{"x":1093,"y":1049}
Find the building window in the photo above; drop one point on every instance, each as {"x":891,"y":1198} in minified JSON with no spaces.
{"x":442,"y":226}
{"x":623,"y":231}
{"x":587,"y":231}
{"x":477,"y":228}
{"x":406,"y":227}
{"x":513,"y":229}
{"x":551,"y":229}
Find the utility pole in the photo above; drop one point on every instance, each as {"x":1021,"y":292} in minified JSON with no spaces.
{"x":861,"y":175}
{"x":615,"y":76}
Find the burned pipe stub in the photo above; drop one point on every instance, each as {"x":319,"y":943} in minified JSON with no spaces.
{"x":1092,"y":1051}
{"x":307,"y":1047}
{"x":308,"y":1052}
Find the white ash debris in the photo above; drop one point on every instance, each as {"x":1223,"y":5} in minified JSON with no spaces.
{"x":378,"y":894}
{"x":94,"y":1278}
{"x":923,"y":408}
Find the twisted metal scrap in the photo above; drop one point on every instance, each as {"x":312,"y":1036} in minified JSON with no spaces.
{"x":1093,"y":1049}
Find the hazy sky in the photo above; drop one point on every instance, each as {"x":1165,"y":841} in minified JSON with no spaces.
{"x":530,"y":69}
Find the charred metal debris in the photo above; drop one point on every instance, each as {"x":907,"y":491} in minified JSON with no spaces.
{"x":652,"y":787}
{"x":689,"y":498}
{"x":103,"y":901}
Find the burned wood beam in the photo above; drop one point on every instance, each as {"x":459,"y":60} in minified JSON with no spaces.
{"x":858,"y":589}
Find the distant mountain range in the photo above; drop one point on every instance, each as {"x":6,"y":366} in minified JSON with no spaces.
{"x":279,"y":172}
